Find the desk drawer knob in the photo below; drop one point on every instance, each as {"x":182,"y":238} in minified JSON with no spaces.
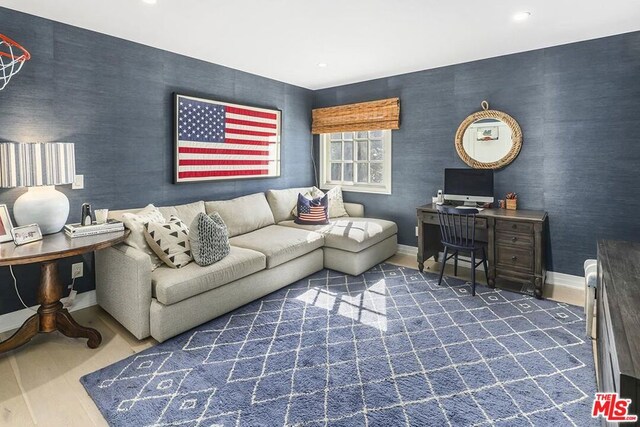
{"x":514,"y":258}
{"x":514,"y":239}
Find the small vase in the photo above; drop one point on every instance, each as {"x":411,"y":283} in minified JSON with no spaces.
{"x":512,"y":204}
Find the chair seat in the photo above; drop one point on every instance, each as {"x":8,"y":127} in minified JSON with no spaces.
{"x":477,"y":246}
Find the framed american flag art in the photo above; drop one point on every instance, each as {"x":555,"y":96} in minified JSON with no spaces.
{"x":217,"y":140}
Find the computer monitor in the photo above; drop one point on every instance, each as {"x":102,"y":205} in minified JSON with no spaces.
{"x":470,"y":186}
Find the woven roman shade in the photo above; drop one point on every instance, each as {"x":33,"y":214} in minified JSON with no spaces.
{"x":372,"y":115}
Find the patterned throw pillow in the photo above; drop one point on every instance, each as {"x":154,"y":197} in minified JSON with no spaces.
{"x":170,"y":241}
{"x":313,"y":212}
{"x":336,"y":203}
{"x":136,"y":223}
{"x":209,"y":239}
{"x":314,"y":193}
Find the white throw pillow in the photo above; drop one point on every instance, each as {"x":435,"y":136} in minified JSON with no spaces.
{"x":336,"y":203}
{"x":170,"y":241}
{"x":136,"y":222}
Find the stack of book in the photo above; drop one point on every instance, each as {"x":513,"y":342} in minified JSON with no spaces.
{"x":78,"y":230}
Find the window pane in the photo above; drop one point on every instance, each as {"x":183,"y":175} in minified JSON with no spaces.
{"x":347,"y":136}
{"x":361,"y":135}
{"x":375,"y":134}
{"x":336,"y":171}
{"x":377,"y":150}
{"x":348,"y":172}
{"x":362,"y":150}
{"x":376,"y":173}
{"x":336,"y":136}
{"x":336,"y":151}
{"x":363,"y":172}
{"x":348,"y":150}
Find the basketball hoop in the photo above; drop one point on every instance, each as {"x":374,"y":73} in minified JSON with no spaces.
{"x":12,"y":58}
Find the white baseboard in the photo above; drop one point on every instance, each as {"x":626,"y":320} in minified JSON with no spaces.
{"x":553,"y":278}
{"x":15,"y":319}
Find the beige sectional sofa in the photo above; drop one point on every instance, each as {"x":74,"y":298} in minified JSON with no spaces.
{"x":268,"y":251}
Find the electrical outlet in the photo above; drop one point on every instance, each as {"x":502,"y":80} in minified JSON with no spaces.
{"x":77,"y":270}
{"x":78,"y":182}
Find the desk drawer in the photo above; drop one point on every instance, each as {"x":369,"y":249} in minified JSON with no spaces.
{"x":514,"y":257}
{"x":432,"y":218}
{"x":515,"y":239}
{"x":514,"y":226}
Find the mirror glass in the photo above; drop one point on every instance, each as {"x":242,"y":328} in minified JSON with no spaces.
{"x":487,"y":140}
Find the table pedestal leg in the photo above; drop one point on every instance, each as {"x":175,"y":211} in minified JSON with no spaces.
{"x":51,"y":315}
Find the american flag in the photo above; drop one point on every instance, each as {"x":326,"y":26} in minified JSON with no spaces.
{"x":312,"y":212}
{"x":217,"y":140}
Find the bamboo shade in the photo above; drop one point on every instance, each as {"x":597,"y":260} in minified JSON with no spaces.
{"x":373,"y":115}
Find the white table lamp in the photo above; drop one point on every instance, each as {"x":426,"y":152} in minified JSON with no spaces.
{"x":39,"y":167}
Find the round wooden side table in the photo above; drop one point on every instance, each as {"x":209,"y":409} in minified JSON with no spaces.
{"x":51,"y":315}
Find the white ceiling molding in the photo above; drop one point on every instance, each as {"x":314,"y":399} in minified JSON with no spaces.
{"x":357,"y":39}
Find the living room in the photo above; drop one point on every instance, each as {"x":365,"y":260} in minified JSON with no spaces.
{"x":308,"y":263}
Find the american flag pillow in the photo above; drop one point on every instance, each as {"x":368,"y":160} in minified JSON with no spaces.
{"x":314,"y":211}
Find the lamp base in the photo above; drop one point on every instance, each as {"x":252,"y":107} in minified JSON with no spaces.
{"x":44,"y":206}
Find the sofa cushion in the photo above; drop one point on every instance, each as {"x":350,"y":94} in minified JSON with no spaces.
{"x":187,"y":212}
{"x":279,"y":244}
{"x":174,"y":285}
{"x":282,"y":202}
{"x":243,"y":214}
{"x":353,"y":234}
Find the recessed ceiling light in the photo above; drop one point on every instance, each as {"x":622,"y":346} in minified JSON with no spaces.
{"x":521,"y":16}
{"x":150,"y":1}
{"x":322,"y":65}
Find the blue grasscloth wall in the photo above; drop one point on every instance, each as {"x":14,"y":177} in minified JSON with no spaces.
{"x":578,"y":106}
{"x":113,"y":99}
{"x":579,"y":109}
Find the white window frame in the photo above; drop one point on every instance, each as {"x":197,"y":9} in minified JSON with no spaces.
{"x":325,"y":167}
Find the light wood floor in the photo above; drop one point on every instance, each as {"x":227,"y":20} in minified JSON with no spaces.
{"x":39,"y":383}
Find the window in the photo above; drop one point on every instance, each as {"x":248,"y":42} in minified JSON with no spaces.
{"x":357,"y":161}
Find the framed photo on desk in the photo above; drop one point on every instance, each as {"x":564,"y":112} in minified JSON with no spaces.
{"x":5,"y":225}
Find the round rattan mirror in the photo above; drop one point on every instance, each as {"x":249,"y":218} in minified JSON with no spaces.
{"x":488,"y":139}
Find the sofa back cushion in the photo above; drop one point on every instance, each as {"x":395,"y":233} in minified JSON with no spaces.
{"x":186,"y":213}
{"x":282,"y":202}
{"x":243,"y":214}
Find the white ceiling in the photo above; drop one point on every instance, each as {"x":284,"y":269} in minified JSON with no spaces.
{"x":357,"y":39}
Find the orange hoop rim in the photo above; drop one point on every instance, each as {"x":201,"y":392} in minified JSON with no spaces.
{"x":21,"y":58}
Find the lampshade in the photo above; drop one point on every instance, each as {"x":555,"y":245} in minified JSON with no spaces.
{"x":31,"y":165}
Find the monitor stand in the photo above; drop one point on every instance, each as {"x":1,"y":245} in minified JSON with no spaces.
{"x":473,"y":205}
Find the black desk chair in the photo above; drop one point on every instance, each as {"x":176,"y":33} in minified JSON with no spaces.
{"x":458,"y":234}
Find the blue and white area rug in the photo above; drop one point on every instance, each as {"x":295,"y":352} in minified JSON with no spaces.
{"x":387,"y":348}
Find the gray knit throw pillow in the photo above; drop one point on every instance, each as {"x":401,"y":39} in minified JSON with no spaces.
{"x":209,"y":239}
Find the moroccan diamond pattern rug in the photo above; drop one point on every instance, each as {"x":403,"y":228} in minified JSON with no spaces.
{"x":389,"y":347}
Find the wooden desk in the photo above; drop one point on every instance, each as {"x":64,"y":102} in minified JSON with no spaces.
{"x":618,"y":336}
{"x":515,"y":240}
{"x":51,"y":315}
